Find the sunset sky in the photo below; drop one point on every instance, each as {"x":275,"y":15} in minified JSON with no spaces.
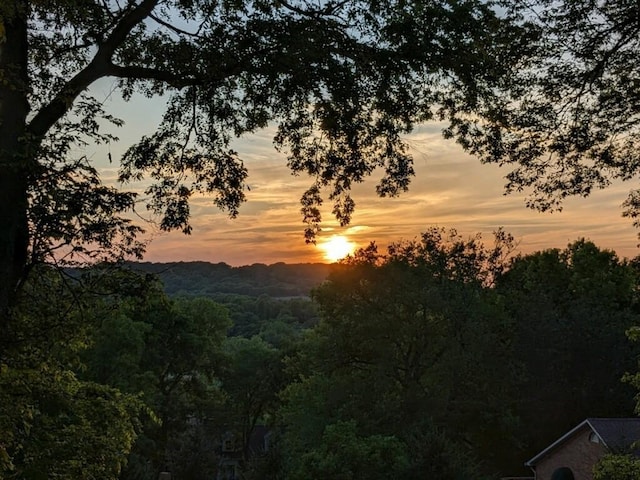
{"x":450,"y":189}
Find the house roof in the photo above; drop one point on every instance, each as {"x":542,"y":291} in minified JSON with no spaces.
{"x":614,"y":433}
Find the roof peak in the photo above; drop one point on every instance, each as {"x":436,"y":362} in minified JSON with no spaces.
{"x":615,"y":434}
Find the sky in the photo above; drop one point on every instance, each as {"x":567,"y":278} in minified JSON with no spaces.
{"x":450,"y":189}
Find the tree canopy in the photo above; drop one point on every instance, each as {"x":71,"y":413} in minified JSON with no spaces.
{"x":56,"y":422}
{"x":341,"y":81}
{"x":416,"y":352}
{"x":441,"y":357}
{"x":567,"y":121}
{"x":571,"y":309}
{"x":550,"y":88}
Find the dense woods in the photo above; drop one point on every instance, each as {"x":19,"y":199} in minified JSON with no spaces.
{"x":207,"y":279}
{"x":441,"y":357}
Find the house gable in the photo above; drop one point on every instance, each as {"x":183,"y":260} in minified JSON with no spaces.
{"x":580,"y":452}
{"x":581,"y":448}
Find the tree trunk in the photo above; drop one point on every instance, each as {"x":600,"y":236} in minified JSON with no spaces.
{"x":14,"y":156}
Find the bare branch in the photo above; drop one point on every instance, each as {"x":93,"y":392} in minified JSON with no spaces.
{"x":313,"y":12}
{"x":143,"y":73}
{"x":97,"y":68}
{"x":173,"y":28}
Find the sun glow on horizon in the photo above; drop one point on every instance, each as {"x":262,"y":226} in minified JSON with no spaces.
{"x":337,"y":247}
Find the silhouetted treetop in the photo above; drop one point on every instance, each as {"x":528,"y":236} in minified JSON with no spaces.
{"x":341,"y":82}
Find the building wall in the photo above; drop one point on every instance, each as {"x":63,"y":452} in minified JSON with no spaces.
{"x":578,"y":453}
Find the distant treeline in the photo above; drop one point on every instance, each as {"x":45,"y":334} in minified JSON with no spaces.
{"x":196,"y":279}
{"x":442,"y":358}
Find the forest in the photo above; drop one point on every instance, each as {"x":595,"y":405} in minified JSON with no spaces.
{"x":443,"y":357}
{"x":440,"y":358}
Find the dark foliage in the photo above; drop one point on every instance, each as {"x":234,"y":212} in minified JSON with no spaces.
{"x":571,"y":310}
{"x":209,"y":280}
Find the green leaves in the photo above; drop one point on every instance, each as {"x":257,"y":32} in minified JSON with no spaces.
{"x":170,"y":354}
{"x":617,"y":467}
{"x":55,"y":425}
{"x":55,"y":421}
{"x":565,"y":120}
{"x":342,"y":82}
{"x":571,"y":309}
{"x":346,"y":455}
{"x":403,"y":340}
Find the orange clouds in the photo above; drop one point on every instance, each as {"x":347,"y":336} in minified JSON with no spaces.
{"x":450,"y":190}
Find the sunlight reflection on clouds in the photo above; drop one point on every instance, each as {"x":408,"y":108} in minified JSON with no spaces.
{"x":450,"y":189}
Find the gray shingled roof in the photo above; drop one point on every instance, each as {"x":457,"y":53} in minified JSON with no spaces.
{"x":615,"y":433}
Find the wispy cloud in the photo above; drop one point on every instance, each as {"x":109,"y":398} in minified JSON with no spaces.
{"x":450,"y":189}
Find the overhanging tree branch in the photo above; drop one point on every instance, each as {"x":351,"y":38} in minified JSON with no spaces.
{"x":173,"y":28}
{"x":135,"y":72}
{"x":97,"y":68}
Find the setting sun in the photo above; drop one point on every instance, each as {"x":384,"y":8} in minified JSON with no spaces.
{"x":337,"y":247}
